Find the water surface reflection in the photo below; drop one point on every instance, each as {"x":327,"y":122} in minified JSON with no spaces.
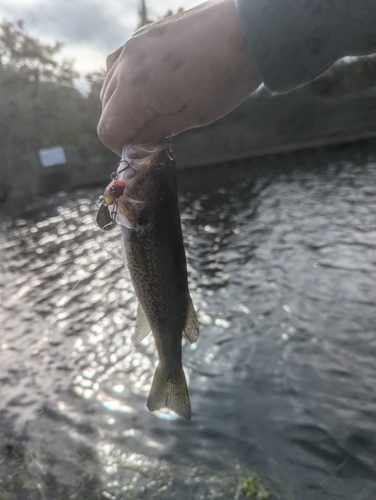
{"x":282,"y":268}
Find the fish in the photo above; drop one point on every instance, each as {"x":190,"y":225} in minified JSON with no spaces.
{"x":152,"y":241}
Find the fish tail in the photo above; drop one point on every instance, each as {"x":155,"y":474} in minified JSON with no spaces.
{"x":170,"y":391}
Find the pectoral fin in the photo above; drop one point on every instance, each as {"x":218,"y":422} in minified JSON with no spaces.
{"x":142,"y":328}
{"x":123,"y":253}
{"x":191,"y":327}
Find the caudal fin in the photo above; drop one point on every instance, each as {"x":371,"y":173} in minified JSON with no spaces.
{"x":170,"y":392}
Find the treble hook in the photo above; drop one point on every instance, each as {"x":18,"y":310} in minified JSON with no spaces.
{"x":115,"y":175}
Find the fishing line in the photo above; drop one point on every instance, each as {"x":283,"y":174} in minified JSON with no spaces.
{"x":105,"y":227}
{"x":12,"y":463}
{"x":66,"y":299}
{"x":40,"y":410}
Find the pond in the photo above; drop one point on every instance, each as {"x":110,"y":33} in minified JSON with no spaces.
{"x":282,"y":270}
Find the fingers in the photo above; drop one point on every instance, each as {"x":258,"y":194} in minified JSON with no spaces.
{"x":181,"y":73}
{"x":124,"y":113}
{"x":162,"y":126}
{"x":122,"y":129}
{"x":110,"y":81}
{"x":112,"y":58}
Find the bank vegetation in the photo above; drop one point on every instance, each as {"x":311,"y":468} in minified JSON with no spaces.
{"x":40,"y":106}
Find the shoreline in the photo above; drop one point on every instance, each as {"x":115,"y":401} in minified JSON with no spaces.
{"x":99,"y":175}
{"x":261,"y":126}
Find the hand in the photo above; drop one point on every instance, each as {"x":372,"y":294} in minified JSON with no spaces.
{"x":182,"y":72}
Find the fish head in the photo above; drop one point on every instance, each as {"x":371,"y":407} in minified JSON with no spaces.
{"x":149,"y":178}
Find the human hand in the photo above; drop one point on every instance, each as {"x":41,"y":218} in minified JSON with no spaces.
{"x":185,"y":71}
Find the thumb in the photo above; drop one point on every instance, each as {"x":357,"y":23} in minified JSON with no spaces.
{"x":161,"y":126}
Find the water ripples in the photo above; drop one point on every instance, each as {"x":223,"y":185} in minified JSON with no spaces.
{"x":281,"y":262}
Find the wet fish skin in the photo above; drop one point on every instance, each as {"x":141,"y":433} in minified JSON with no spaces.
{"x":154,"y":250}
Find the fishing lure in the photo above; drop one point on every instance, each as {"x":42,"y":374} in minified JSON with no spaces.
{"x":113,"y":191}
{"x":106,"y":217}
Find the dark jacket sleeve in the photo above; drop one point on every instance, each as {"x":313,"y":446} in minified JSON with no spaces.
{"x":294,"y":41}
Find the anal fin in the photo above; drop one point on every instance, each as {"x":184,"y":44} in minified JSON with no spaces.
{"x":191,"y":327}
{"x":142,"y":328}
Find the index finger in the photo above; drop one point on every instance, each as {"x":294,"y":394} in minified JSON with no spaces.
{"x":112,"y":58}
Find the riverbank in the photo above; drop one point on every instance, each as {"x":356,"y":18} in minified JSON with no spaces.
{"x":268,"y":125}
{"x":263,"y":125}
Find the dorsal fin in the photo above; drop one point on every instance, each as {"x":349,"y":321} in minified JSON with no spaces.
{"x":191,"y":327}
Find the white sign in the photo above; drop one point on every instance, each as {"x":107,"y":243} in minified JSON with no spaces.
{"x":52,"y":156}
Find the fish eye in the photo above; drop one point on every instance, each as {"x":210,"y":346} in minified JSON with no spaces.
{"x":159,"y":168}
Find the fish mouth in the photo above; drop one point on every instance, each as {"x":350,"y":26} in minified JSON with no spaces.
{"x":145,"y":156}
{"x":136,"y":163}
{"x":145,"y":153}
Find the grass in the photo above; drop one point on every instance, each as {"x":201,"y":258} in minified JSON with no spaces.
{"x":252,"y":488}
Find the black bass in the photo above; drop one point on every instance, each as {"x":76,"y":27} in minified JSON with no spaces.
{"x":152,"y":240}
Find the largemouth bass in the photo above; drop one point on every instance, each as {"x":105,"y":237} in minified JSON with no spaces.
{"x":152,"y":240}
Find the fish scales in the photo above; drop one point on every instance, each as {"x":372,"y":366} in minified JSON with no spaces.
{"x":148,"y":213}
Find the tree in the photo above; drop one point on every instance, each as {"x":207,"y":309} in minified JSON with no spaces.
{"x":30,"y":58}
{"x":39,"y":105}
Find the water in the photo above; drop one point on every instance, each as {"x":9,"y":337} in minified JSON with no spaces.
{"x":282,"y":269}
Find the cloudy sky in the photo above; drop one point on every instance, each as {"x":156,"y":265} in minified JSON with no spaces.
{"x":89,"y":29}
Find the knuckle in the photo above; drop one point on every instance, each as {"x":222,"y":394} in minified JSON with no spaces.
{"x":130,"y":45}
{"x":102,"y":132}
{"x":112,"y":58}
{"x":108,"y":138}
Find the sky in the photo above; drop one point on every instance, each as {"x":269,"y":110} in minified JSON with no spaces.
{"x":89,"y":29}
